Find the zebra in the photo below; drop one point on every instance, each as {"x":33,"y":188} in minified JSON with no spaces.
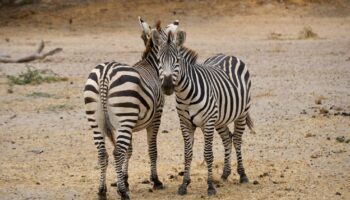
{"x":209,"y":96}
{"x":121,"y":99}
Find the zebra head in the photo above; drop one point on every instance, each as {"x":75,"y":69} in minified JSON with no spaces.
{"x":169,"y":57}
{"x":147,"y":29}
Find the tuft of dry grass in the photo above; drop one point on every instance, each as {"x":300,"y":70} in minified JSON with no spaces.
{"x":307,"y":33}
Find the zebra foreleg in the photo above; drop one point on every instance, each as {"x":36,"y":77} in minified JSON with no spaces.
{"x":208,"y":155}
{"x":152,"y":151}
{"x":188,"y":137}
{"x":226,"y":138}
{"x":237,"y":142}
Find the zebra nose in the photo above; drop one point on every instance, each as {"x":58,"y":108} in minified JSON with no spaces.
{"x":168,"y":86}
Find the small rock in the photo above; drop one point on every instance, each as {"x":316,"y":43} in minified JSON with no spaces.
{"x":303,"y":112}
{"x":318,"y":101}
{"x":146,"y":181}
{"x":347,"y":141}
{"x":309,"y":135}
{"x":181,"y":173}
{"x":323,"y":110}
{"x":328,"y":138}
{"x":338,"y":193}
{"x":171,"y":176}
{"x":37,"y":151}
{"x":10,"y":90}
{"x":336,"y":108}
{"x":340,"y":139}
{"x":38,"y":183}
{"x":150,"y":190}
{"x":315,"y":155}
{"x":346,"y":114}
{"x":7,"y":39}
{"x":264,"y":174}
{"x":165,"y":131}
{"x":255,"y":182}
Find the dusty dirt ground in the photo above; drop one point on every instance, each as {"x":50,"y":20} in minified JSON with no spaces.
{"x":47,"y":151}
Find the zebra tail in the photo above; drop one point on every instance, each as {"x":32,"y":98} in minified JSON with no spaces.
{"x":103,"y":98}
{"x":250,"y":124}
{"x":109,"y":128}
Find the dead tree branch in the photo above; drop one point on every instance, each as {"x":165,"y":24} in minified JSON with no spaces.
{"x":35,"y":56}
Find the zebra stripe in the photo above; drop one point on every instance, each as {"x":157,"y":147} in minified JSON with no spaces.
{"x":121,"y":99}
{"x":210,"y":96}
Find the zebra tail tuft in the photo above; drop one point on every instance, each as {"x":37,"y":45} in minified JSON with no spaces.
{"x":250,"y":124}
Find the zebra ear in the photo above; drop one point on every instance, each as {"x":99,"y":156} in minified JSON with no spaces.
{"x":145,"y":27}
{"x":157,"y":40}
{"x":172,"y":27}
{"x":180,"y":38}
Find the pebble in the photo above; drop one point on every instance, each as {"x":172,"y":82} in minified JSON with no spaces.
{"x":340,"y":139}
{"x":146,"y":181}
{"x":255,"y":182}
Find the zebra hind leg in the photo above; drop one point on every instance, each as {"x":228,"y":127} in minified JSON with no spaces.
{"x":237,"y":142}
{"x":126,"y":167}
{"x":226,"y":138}
{"x":122,"y":145}
{"x":99,"y":140}
{"x":125,"y":170}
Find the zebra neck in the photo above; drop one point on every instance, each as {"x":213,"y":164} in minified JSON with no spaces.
{"x":184,"y":80}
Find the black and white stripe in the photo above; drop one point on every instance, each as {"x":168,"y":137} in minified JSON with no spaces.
{"x":208,"y":96}
{"x":121,"y":99}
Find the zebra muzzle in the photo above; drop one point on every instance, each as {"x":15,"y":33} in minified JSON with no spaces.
{"x":167,"y":85}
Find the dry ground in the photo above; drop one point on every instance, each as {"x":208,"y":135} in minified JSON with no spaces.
{"x":47,"y":150}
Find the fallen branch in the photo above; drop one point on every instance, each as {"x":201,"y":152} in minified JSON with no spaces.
{"x":35,"y":56}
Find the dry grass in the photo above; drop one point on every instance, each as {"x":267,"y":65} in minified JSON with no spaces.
{"x":307,"y":33}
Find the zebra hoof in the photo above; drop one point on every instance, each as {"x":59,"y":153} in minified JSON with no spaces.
{"x":124,"y":196}
{"x":102,"y":195}
{"x":182,"y":190}
{"x":225,"y":175}
{"x":211,"y":191}
{"x":158,"y":186}
{"x":243,"y":179}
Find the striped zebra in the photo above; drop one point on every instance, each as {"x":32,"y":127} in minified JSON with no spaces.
{"x":210,"y":96}
{"x":121,"y":99}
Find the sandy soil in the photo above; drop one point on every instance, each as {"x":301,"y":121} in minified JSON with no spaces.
{"x":47,"y":151}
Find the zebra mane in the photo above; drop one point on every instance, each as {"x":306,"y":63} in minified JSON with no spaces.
{"x":189,"y":55}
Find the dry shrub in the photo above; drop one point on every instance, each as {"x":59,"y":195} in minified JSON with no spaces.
{"x":275,"y":36}
{"x":307,"y":33}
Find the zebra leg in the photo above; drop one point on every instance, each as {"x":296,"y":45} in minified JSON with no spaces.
{"x":122,"y":145}
{"x":152,"y":133}
{"x":208,"y":155}
{"x":126,"y":167}
{"x":237,"y":141}
{"x":103,"y":163}
{"x":226,"y":138}
{"x":188,"y":136}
